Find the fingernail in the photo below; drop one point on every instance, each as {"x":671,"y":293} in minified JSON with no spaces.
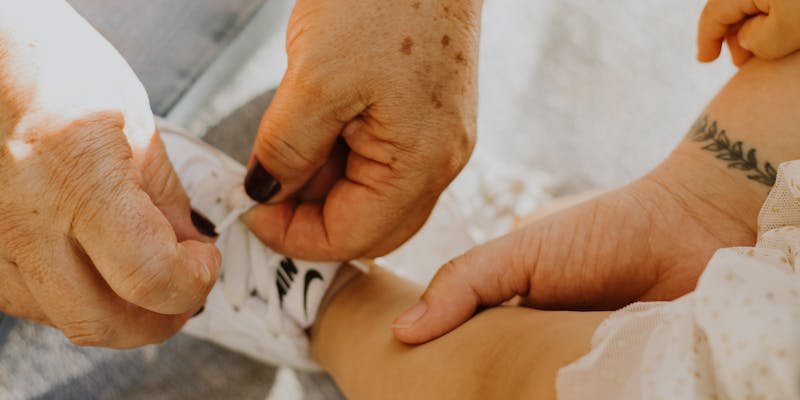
{"x":200,"y":311}
{"x":203,"y":224}
{"x":411,"y":315}
{"x":259,"y":184}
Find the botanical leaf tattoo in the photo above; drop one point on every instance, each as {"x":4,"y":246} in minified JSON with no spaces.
{"x":733,"y":153}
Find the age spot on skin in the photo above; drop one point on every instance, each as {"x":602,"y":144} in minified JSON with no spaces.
{"x":446,"y":11}
{"x":445,"y":41}
{"x":460,"y":58}
{"x":436,"y":102}
{"x":415,"y":5}
{"x":407,"y":45}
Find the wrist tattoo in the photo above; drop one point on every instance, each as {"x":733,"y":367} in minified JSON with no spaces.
{"x":717,"y":141}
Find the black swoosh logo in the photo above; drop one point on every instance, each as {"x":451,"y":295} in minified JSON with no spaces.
{"x":310,"y":276}
{"x":284,"y":276}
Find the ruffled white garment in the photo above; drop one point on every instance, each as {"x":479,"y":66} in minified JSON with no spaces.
{"x":737,"y":336}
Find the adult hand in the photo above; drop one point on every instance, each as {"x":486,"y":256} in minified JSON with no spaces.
{"x":769,"y":29}
{"x":95,"y":230}
{"x":375,"y":116}
{"x":649,"y":240}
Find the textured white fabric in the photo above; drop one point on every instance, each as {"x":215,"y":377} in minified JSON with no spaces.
{"x":485,"y":201}
{"x":737,"y":336}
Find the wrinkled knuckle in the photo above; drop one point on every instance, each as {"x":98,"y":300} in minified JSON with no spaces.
{"x":102,"y":121}
{"x":308,"y":79}
{"x":456,"y":160}
{"x":148,"y":282}
{"x":445,"y":170}
{"x":20,"y":235}
{"x":333,"y":94}
{"x":283,"y":157}
{"x":345,"y":248}
{"x":162,"y":182}
{"x":456,"y":154}
{"x":91,"y":200}
{"x":89,"y":333}
{"x":107,"y":181}
{"x":451,"y":269}
{"x":96,"y":139}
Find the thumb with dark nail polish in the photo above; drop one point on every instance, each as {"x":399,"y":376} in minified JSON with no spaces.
{"x":259,"y":184}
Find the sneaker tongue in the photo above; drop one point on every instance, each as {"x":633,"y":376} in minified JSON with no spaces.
{"x":236,"y":264}
{"x":262,"y":278}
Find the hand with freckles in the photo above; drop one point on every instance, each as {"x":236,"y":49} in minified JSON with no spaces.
{"x":375,"y":116}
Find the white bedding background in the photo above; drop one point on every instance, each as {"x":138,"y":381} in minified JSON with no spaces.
{"x":596,"y":92}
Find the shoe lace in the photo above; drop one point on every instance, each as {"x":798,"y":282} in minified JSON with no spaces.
{"x":243,"y":252}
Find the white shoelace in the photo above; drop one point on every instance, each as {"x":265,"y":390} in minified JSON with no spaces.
{"x":238,"y":273}
{"x":237,"y":202}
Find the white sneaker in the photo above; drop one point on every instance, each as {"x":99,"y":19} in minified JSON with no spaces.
{"x":264,"y":302}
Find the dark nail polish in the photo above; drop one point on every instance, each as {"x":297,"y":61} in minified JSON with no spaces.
{"x":203,"y":225}
{"x":259,"y":184}
{"x":200,"y":311}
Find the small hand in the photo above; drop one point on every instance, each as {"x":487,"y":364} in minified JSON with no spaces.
{"x":768,"y":29}
{"x":373,"y":119}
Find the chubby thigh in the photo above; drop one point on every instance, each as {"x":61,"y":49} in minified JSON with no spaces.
{"x":504,"y":352}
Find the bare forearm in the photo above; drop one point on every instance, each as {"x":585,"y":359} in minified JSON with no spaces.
{"x":747,"y":130}
{"x":501,"y":353}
